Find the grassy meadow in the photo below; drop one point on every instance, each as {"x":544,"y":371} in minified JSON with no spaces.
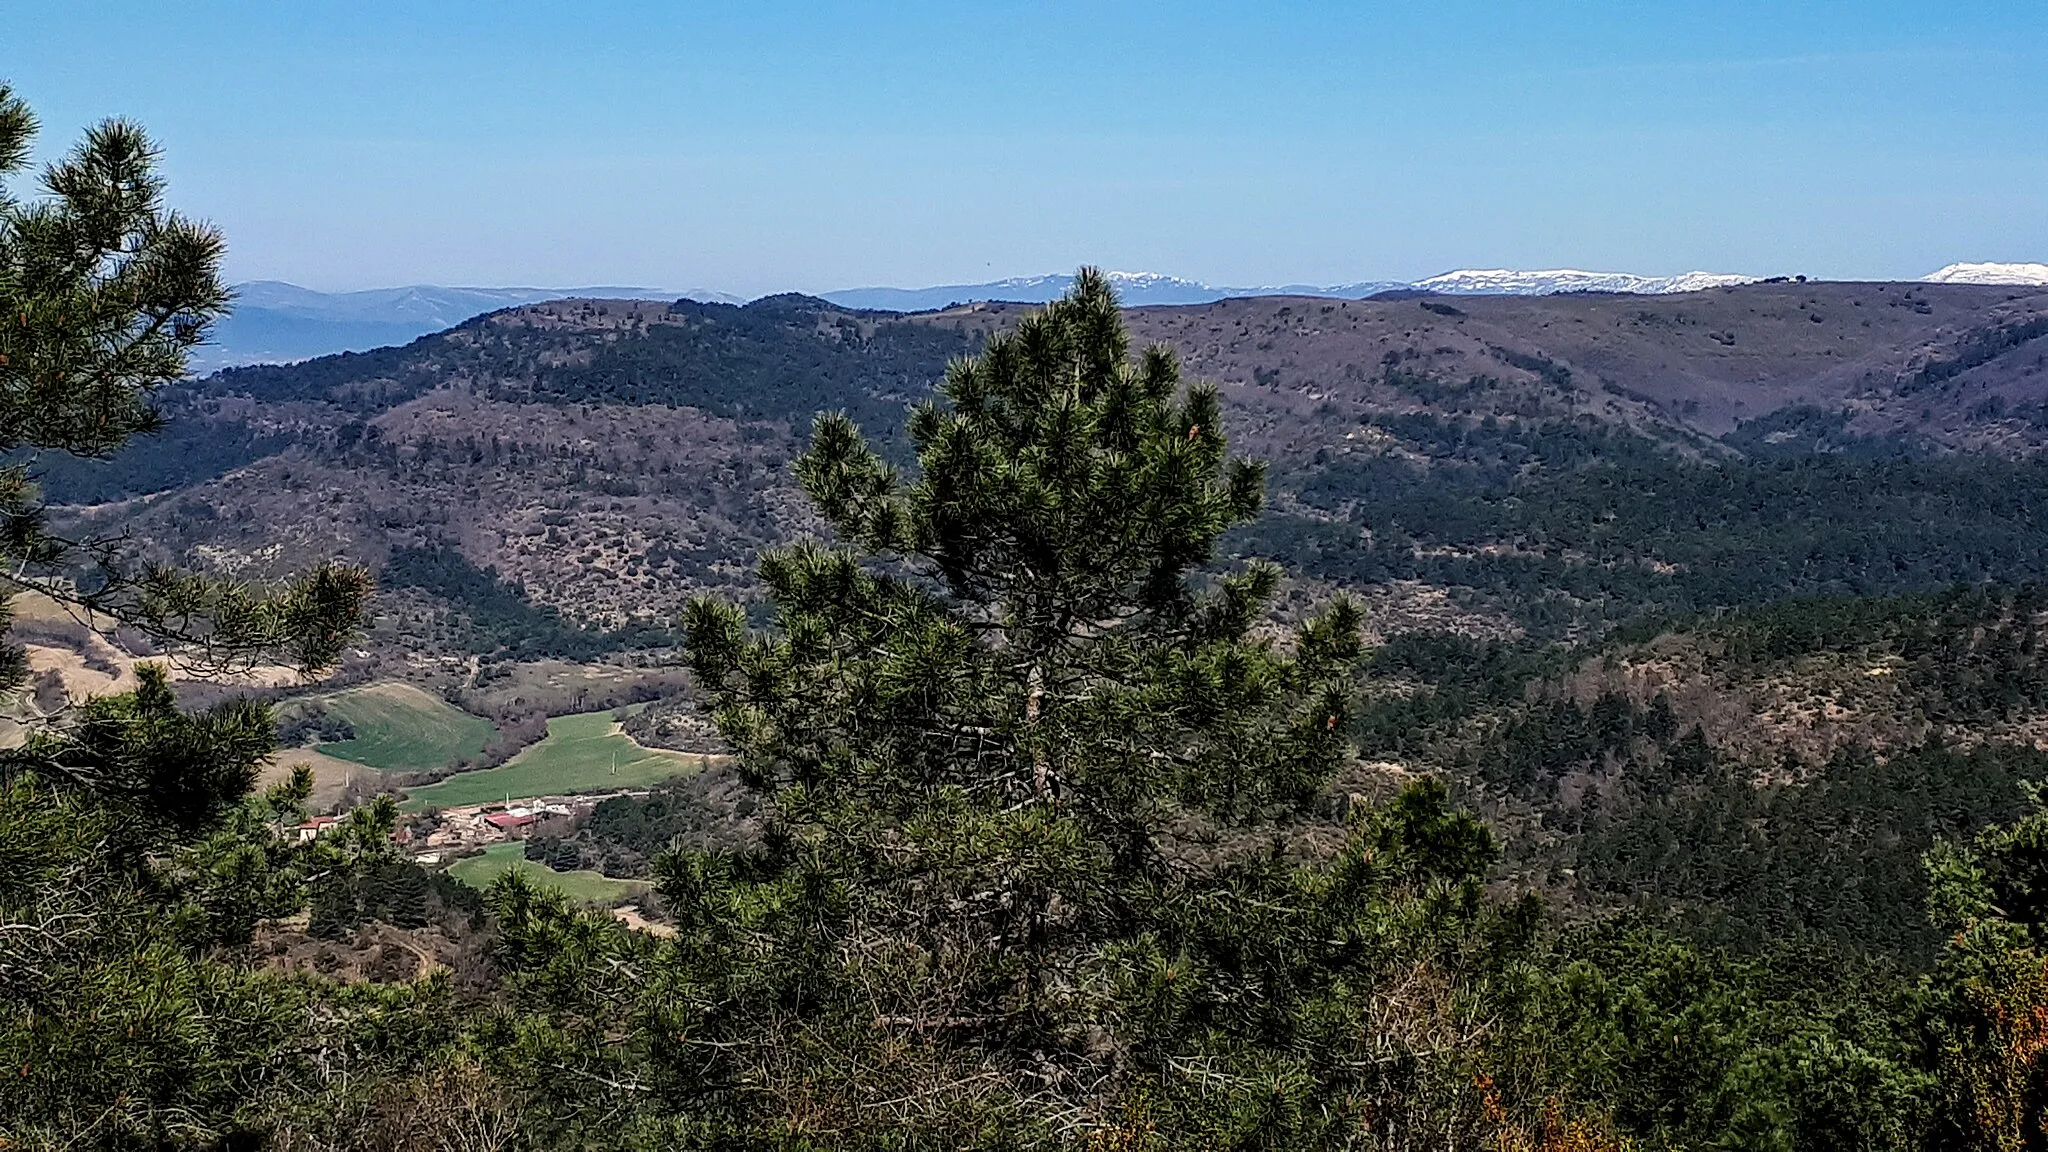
{"x":585,"y":752}
{"x":590,"y":887}
{"x":332,"y":777}
{"x":400,"y":728}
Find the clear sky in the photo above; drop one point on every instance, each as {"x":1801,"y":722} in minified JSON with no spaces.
{"x":765,"y":146}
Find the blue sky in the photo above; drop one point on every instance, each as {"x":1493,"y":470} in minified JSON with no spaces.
{"x":772,"y":146}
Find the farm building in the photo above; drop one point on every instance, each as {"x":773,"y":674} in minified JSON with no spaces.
{"x":311,"y":829}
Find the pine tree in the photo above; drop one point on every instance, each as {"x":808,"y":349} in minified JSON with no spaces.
{"x":1042,"y":854}
{"x":335,"y":909}
{"x":405,"y":895}
{"x":135,"y":846}
{"x":1015,"y":661}
{"x":1991,"y":984}
{"x":105,"y":292}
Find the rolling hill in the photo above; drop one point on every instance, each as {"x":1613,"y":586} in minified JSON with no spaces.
{"x":274,"y":322}
{"x":567,"y":473}
{"x":1714,"y":603}
{"x":1773,"y":776}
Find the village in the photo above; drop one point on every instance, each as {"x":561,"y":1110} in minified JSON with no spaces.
{"x":438,"y":836}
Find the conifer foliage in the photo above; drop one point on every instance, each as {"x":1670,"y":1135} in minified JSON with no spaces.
{"x":1035,"y":772}
{"x":1991,"y":1020}
{"x":985,"y":712}
{"x":133,"y":846}
{"x":103,"y":292}
{"x":1019,"y":631}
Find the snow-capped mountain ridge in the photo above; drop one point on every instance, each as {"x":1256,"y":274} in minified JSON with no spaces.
{"x":2030,"y":275}
{"x":1547,"y":282}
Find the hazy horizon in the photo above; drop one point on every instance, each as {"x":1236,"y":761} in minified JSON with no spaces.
{"x":822,"y":147}
{"x":529,"y":286}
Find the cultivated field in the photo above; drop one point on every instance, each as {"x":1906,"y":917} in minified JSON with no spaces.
{"x":585,"y":752}
{"x":400,"y":728}
{"x":332,"y":777}
{"x":589,"y":887}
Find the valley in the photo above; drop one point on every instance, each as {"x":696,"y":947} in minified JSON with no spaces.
{"x":1720,"y":608}
{"x":542,"y":489}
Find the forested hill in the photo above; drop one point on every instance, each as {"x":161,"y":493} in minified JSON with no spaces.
{"x":1773,"y":775}
{"x":1543,"y":464}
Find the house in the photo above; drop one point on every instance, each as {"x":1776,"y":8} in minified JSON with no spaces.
{"x":512,"y":824}
{"x":311,"y":829}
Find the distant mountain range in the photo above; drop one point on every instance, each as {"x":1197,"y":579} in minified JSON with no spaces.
{"x":1143,"y":288}
{"x":275,"y":322}
{"x":1137,"y":289}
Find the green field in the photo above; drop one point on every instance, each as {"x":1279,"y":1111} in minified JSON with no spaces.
{"x":581,"y":753}
{"x":402,"y":729}
{"x":589,"y":887}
